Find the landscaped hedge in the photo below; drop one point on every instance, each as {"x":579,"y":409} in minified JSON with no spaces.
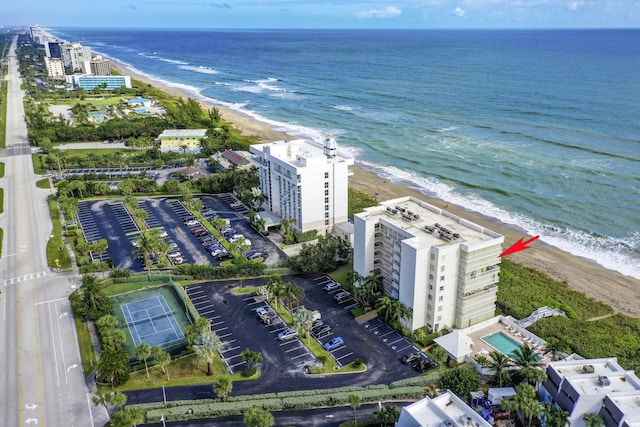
{"x":200,"y":271}
{"x":286,"y":401}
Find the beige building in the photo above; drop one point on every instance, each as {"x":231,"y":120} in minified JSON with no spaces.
{"x":98,"y":66}
{"x":442,"y":266}
{"x":55,"y":68}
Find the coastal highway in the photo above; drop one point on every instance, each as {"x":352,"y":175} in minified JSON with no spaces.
{"x":41,"y":378}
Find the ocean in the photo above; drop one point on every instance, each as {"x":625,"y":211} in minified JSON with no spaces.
{"x":540,"y":129}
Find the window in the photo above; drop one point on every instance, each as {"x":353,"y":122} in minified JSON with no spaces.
{"x":442,"y":278}
{"x":326,"y":200}
{"x":326,"y":185}
{"x":439,"y":318}
{"x":326,"y":192}
{"x":442,"y":288}
{"x":439,"y":308}
{"x":326,"y":222}
{"x":326,"y":214}
{"x":326,"y":207}
{"x":430,"y":286}
{"x":430,"y":297}
{"x":326,"y":175}
{"x":441,"y":298}
{"x":442,"y":268}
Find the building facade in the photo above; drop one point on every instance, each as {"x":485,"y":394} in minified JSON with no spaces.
{"x":98,"y":66}
{"x":74,"y":55}
{"x":304,"y":182}
{"x":55,"y":68}
{"x":181,"y":140}
{"x":53,"y":49}
{"x":89,"y":82}
{"x":442,"y":266}
{"x":594,"y":386}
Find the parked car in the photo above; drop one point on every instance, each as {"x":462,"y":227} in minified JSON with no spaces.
{"x":207,"y":212}
{"x":316,"y":323}
{"x":332,"y":286}
{"x":174,"y":254}
{"x":321,"y":331}
{"x":163,"y":233}
{"x":410,"y":358}
{"x":195,"y":231}
{"x":425,"y":365}
{"x":223,"y":256}
{"x":287,"y":334}
{"x":192,"y":222}
{"x":263,"y":315}
{"x":253,"y":255}
{"x":333,"y":343}
{"x":341,"y":297}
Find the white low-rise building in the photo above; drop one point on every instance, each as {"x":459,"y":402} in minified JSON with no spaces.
{"x":442,"y":266}
{"x":55,"y":68}
{"x":444,"y":410}
{"x":304,"y":181}
{"x":594,"y":386}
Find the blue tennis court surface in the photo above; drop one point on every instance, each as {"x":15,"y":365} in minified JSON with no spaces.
{"x":151,"y":321}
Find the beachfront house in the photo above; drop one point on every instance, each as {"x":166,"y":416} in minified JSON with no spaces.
{"x":594,"y":386}
{"x":304,"y":181}
{"x":181,"y":140}
{"x":442,"y":266}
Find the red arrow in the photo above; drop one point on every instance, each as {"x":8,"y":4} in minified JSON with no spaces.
{"x":519,"y":246}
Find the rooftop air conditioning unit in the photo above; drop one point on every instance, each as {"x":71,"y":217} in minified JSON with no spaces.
{"x":604,"y":382}
{"x":588,"y":369}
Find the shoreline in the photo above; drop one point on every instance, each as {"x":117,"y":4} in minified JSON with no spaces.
{"x":621,"y":292}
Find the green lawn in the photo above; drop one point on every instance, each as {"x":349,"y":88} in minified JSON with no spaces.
{"x":56,"y":249}
{"x":1,"y":200}
{"x":39,"y":167}
{"x":84,"y":340}
{"x":43,"y":183}
{"x":73,"y":101}
{"x":83,"y":152}
{"x":1,"y":239}
{"x":1,"y":169}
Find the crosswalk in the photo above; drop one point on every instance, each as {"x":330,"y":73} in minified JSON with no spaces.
{"x":25,"y":278}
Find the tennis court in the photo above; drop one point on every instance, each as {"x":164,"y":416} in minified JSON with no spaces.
{"x":155,"y":315}
{"x":151,"y":321}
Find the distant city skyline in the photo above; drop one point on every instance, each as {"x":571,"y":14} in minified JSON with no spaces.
{"x":285,"y":14}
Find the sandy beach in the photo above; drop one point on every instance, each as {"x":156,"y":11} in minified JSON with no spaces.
{"x":620,"y":292}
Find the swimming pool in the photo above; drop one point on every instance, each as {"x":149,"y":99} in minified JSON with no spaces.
{"x":503,"y":343}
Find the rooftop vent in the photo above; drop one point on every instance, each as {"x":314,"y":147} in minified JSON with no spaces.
{"x":588,"y":369}
{"x":604,"y":381}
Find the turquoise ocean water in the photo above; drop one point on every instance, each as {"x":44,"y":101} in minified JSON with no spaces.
{"x":540,"y":129}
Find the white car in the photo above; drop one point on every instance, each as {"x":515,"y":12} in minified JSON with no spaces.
{"x":192,"y":223}
{"x":287,"y":334}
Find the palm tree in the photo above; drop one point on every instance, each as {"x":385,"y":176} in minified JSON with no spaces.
{"x":292,"y":293}
{"x":222,"y":386}
{"x":524,"y":402}
{"x":143,"y":352}
{"x":219,"y":223}
{"x":163,"y":359}
{"x":146,"y":244}
{"x":593,"y":420}
{"x":286,"y":228}
{"x":529,"y":362}
{"x":93,"y":158}
{"x":102,"y":398}
{"x":387,"y":415}
{"x":554,"y":416}
{"x":258,"y":417}
{"x":251,"y":358}
{"x":118,"y":399}
{"x":554,"y":347}
{"x":384,"y":307}
{"x":139,"y":215}
{"x":355,"y":401}
{"x":499,"y":363}
{"x":302,"y":320}
{"x":206,"y":346}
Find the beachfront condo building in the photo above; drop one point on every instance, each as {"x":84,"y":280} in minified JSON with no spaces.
{"x":74,"y":55}
{"x":98,"y":66}
{"x":181,"y":140}
{"x":442,"y":266}
{"x":53,"y":49}
{"x":444,"y":410}
{"x":89,"y":82}
{"x":594,"y":386}
{"x":55,"y":68}
{"x":304,"y":181}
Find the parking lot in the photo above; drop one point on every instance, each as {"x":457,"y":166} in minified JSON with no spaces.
{"x":235,"y":319}
{"x":111,"y":220}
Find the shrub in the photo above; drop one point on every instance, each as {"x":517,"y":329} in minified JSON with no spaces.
{"x":120,"y":273}
{"x":357,"y":363}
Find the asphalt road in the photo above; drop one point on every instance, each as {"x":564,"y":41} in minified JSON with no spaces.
{"x":41,"y":380}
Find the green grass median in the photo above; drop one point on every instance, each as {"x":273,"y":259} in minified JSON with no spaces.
{"x":57,"y":253}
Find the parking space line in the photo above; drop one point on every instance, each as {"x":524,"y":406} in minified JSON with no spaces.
{"x":293,"y":349}
{"x":194,"y":287}
{"x":202,"y":313}
{"x":404,"y":348}
{"x":228,"y":342}
{"x":237,"y":364}
{"x":300,"y":355}
{"x":217,"y":323}
{"x":342,"y":357}
{"x":224,"y":336}
{"x":377,"y":327}
{"x":221,"y":329}
{"x":203,"y":297}
{"x":197,"y":291}
{"x":256,"y":302}
{"x":202,"y":305}
{"x":393,"y":342}
{"x":321,"y":277}
{"x":231,"y":349}
{"x":388,"y":333}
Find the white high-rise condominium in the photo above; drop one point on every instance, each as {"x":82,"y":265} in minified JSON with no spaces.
{"x":442,"y":266}
{"x":304,"y":181}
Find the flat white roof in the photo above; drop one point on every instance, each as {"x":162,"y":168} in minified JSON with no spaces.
{"x":182,"y":133}
{"x":588,"y":367}
{"x":446,"y":408}
{"x":428,"y":223}
{"x":299,"y":152}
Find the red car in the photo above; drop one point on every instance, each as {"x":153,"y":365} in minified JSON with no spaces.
{"x":198,"y":231}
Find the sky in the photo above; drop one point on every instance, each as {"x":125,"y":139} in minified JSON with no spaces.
{"x":382,"y":14}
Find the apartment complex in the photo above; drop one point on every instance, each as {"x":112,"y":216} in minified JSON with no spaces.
{"x":97,"y":66}
{"x":181,"y":140}
{"x":55,"y":68}
{"x":89,"y":82}
{"x":74,"y":55}
{"x":53,"y":49}
{"x":442,"y":266}
{"x":304,"y":181}
{"x":444,"y":410}
{"x":599,"y":386}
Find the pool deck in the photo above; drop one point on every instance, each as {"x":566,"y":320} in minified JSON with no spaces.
{"x":479,"y":347}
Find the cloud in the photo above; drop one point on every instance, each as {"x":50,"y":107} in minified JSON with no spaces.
{"x":387,"y":12}
{"x":574,"y":5}
{"x":458,"y":11}
{"x":179,"y":3}
{"x":130,"y":7}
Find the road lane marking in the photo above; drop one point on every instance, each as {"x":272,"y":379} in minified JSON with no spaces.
{"x":55,"y":353}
